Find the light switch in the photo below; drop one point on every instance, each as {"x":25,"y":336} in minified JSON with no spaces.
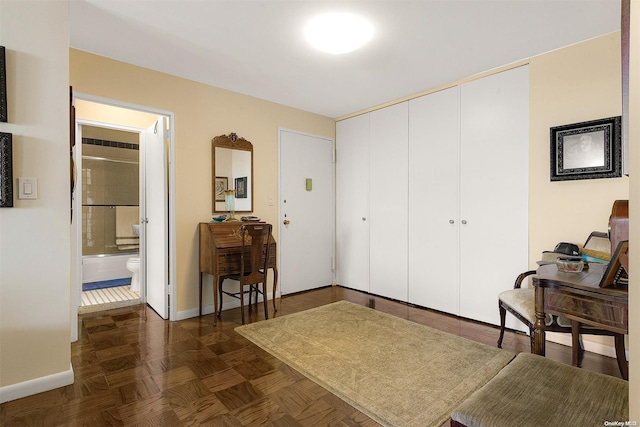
{"x":27,"y":188}
{"x":309,"y":184}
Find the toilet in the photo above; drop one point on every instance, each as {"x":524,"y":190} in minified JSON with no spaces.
{"x":133,"y":265}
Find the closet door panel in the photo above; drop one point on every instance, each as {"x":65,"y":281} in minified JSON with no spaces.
{"x":389,"y":201}
{"x":352,"y":203}
{"x":433,"y":200}
{"x":494,"y":138}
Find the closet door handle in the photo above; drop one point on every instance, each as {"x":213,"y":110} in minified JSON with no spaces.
{"x":451,"y":221}
{"x":464,"y":221}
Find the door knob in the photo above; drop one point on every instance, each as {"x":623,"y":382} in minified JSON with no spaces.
{"x":286,"y":222}
{"x":451,"y":221}
{"x":464,"y":221}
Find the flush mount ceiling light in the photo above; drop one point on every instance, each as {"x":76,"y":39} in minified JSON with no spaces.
{"x":338,"y":33}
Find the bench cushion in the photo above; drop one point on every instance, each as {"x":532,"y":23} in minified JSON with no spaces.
{"x":535,"y":391}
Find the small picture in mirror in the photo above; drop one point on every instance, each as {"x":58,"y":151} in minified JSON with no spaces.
{"x":222,"y":184}
{"x":241,"y":188}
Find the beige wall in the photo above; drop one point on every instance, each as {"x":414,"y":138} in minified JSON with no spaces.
{"x":201,"y":112}
{"x":34,"y":234}
{"x":575,"y":84}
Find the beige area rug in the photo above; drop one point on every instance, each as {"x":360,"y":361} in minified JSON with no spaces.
{"x":398,"y":372}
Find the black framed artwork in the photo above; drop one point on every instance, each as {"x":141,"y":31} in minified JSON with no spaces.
{"x":6,"y":172}
{"x":3,"y":85}
{"x":586,"y":150}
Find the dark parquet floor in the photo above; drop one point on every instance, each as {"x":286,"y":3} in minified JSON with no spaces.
{"x":134,"y":369}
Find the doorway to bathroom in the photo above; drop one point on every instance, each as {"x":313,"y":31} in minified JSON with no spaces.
{"x":123,"y":210}
{"x":109,"y":161}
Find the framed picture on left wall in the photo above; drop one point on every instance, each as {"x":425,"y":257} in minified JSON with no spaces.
{"x":6,"y":171}
{"x":3,"y":86}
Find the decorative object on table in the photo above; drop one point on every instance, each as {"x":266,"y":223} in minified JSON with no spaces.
{"x":3,"y":86}
{"x":562,"y":249}
{"x":221,"y":185}
{"x":597,"y":248}
{"x":249,"y":218}
{"x":571,"y":265}
{"x":219,"y":218}
{"x":617,"y":273}
{"x":230,"y":204}
{"x":6,"y":170}
{"x":618,"y":223}
{"x":586,"y":150}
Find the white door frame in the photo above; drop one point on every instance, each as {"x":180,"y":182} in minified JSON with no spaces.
{"x":333,"y":189}
{"x":76,"y":265}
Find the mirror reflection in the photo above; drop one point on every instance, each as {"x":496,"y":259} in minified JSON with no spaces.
{"x":232,"y":170}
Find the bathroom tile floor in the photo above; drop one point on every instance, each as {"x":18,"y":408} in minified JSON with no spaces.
{"x":133,"y":368}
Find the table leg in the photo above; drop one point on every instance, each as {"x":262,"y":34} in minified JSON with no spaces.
{"x":538,"y":332}
{"x":576,"y":345}
{"x":214,"y":281}
{"x":621,"y":356}
{"x":200,"y":294}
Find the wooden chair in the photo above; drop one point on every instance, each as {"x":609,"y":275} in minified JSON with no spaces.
{"x":520,"y":302}
{"x":253,"y":266}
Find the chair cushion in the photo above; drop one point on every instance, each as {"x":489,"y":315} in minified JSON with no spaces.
{"x":535,"y":391}
{"x":522,"y":300}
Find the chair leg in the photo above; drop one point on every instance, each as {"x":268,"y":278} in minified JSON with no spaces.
{"x":275,"y":284}
{"x":264,"y":300}
{"x":503,"y":315}
{"x":242,"y":302}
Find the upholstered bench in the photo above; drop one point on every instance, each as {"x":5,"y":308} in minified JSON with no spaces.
{"x":535,"y":391}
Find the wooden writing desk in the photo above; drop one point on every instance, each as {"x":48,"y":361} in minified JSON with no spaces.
{"x":220,"y":247}
{"x":578,"y":297}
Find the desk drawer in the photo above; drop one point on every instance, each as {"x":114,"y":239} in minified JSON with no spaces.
{"x":229,"y":262}
{"x":609,"y":314}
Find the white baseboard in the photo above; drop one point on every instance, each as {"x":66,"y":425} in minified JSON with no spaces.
{"x":594,"y":347}
{"x":208,"y":309}
{"x":35,"y":386}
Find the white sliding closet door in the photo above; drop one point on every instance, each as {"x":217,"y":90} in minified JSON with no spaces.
{"x":388,"y":159}
{"x":433,"y":200}
{"x":494,"y":137}
{"x":352,"y":203}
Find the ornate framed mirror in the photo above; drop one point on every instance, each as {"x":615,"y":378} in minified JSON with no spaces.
{"x":232,"y":160}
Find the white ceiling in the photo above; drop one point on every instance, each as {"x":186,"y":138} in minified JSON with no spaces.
{"x":258,"y":47}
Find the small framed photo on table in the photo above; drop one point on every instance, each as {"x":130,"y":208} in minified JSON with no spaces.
{"x":586,"y":150}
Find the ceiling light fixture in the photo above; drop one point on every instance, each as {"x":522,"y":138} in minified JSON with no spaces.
{"x":338,"y":33}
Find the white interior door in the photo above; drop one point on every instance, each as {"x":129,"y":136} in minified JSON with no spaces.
{"x":154,"y":222}
{"x":306,"y":226}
